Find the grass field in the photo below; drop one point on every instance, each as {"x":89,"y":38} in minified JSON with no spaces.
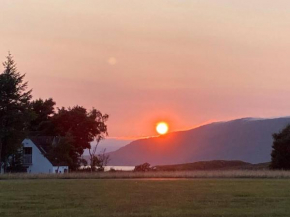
{"x":137,"y":197}
{"x":156,"y":174}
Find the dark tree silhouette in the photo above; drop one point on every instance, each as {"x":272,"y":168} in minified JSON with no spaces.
{"x":83,"y":126}
{"x":104,"y":159}
{"x":281,"y":150}
{"x":60,"y":151}
{"x":15,"y":111}
{"x":43,"y":110}
{"x":98,"y":160}
{"x":142,"y":168}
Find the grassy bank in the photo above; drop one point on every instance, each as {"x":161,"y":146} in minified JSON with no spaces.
{"x":195,"y":197}
{"x":157,"y":174}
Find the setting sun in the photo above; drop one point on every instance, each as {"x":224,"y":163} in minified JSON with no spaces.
{"x":162,"y":128}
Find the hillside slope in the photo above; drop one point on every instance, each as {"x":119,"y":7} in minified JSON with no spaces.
{"x":246,"y":139}
{"x":213,"y":165}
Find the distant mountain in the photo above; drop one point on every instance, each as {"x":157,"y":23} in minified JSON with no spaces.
{"x":247,"y":139}
{"x":109,"y":144}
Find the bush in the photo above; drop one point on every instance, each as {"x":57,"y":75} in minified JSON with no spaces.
{"x":281,"y":150}
{"x":143,"y":168}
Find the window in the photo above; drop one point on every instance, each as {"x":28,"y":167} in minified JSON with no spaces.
{"x":27,"y":151}
{"x":27,"y":155}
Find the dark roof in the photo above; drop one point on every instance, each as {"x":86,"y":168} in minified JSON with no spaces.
{"x":44,"y":144}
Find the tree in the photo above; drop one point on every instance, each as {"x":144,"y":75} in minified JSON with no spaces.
{"x":98,"y":160}
{"x":60,"y":151}
{"x":143,"y":168}
{"x":83,"y":126}
{"x":15,"y":110}
{"x":43,"y":110}
{"x":83,"y":162}
{"x":94,"y":161}
{"x":281,"y":150}
{"x":15,"y":162}
{"x":104,"y":159}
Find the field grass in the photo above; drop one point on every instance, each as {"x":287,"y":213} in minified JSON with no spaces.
{"x":156,"y":174}
{"x":135,"y":197}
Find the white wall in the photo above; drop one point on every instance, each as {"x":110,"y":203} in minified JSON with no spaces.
{"x":40,"y":164}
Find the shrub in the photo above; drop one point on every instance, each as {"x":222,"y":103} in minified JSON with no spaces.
{"x":281,"y":150}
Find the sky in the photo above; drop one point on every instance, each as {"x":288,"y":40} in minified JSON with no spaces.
{"x":186,"y":62}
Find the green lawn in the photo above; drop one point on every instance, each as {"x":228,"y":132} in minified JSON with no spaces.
{"x":195,"y":197}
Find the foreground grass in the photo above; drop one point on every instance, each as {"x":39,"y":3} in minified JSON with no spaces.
{"x":157,"y":174}
{"x":135,"y":197}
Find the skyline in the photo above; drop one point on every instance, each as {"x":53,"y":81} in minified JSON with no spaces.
{"x":184,"y":62}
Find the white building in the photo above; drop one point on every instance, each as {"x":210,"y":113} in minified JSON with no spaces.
{"x":34,"y":155}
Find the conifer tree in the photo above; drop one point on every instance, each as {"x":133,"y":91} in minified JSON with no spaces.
{"x":15,"y":111}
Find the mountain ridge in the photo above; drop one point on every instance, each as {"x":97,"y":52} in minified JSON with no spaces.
{"x":245,"y":139}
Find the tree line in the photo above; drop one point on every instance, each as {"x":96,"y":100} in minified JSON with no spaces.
{"x":21,"y":117}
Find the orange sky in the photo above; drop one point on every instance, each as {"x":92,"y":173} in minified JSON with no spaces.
{"x":182,"y":61}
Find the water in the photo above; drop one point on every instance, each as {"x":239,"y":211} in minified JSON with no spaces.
{"x":107,"y":168}
{"x":123,"y":168}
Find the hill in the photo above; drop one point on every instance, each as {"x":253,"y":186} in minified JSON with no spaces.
{"x":246,"y":139}
{"x":213,"y":165}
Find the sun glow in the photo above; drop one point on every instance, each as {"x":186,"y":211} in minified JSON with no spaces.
{"x":162,"y":128}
